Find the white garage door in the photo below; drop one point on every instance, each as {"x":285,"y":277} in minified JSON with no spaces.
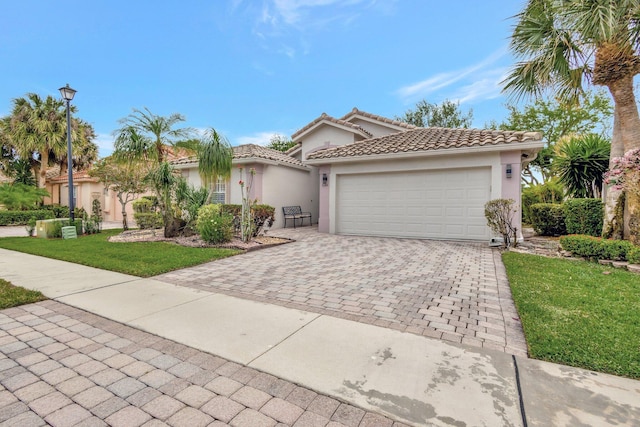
{"x":442,"y":204}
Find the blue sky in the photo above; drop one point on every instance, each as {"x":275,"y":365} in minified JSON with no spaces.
{"x":252,"y":68}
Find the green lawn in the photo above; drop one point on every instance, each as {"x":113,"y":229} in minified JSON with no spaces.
{"x":578,"y":313}
{"x":13,"y":296}
{"x":141,"y":259}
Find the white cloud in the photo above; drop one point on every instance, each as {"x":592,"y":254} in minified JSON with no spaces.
{"x":104,"y":141}
{"x":477,"y":78}
{"x":259,"y":138}
{"x":485,"y":86}
{"x":290,"y":19}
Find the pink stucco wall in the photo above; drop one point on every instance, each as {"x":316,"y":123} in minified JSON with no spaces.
{"x":323,"y":216}
{"x":256,"y":189}
{"x":511,"y":186}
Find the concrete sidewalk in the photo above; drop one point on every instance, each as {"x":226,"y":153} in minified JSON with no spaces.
{"x":412,"y":379}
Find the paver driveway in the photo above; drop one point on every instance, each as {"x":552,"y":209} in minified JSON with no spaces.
{"x":456,"y":291}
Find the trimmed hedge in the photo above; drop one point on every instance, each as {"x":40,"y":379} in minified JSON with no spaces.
{"x":547,"y":219}
{"x":584,"y":216}
{"x":59,"y":211}
{"x":550,"y":192}
{"x":23,"y":217}
{"x":148,"y":220}
{"x":599,"y":248}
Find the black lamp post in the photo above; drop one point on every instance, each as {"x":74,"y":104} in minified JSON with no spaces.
{"x":68,"y":93}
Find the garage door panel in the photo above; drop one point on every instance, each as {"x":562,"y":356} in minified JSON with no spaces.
{"x":445,"y":204}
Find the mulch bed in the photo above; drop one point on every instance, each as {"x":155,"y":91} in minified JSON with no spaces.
{"x":259,"y":242}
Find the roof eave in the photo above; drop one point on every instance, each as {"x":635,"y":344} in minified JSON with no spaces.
{"x":374,"y":121}
{"x":299,"y":137}
{"x":247,"y":161}
{"x":531,"y":146}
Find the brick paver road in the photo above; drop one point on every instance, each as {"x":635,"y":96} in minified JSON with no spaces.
{"x":62,"y":366}
{"x":456,"y":291}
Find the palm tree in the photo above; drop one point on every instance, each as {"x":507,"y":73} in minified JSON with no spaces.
{"x":580,"y":162}
{"x":37,"y":130}
{"x":148,"y":135}
{"x":215,"y":158}
{"x":565,"y":44}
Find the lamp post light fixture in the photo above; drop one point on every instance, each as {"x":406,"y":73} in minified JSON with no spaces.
{"x":68,"y":93}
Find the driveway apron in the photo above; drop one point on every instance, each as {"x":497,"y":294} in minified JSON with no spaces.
{"x":454,"y":291}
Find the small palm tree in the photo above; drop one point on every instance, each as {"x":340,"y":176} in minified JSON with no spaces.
{"x":580,"y":164}
{"x":215,"y":158}
{"x":148,"y":135}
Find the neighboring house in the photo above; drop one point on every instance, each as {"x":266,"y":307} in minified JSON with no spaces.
{"x":280,"y":180}
{"x":86,"y":190}
{"x":364,"y":174}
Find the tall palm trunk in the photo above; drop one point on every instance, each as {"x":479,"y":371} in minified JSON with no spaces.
{"x":626,"y":136}
{"x":44,"y":163}
{"x":613,"y":225}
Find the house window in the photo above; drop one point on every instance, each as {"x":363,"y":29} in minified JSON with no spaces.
{"x":219,"y":191}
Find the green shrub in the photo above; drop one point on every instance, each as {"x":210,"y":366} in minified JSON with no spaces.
{"x":56,"y":231}
{"x":148,"y":220}
{"x":547,"y":219}
{"x":598,"y":248}
{"x":58,"y":211}
{"x":20,"y":197}
{"x":213,"y":225}
{"x":633,"y":256}
{"x":584,"y":216}
{"x":23,"y":217}
{"x":585,"y":246}
{"x":549,"y":192}
{"x":143,"y":205}
{"x":31,"y":226}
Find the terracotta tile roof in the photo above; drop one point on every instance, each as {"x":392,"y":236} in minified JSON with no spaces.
{"x":426,"y":139}
{"x":328,"y":118}
{"x":250,"y":151}
{"x":355,"y":111}
{"x":77,"y":176}
{"x":294,"y":148}
{"x":258,"y":151}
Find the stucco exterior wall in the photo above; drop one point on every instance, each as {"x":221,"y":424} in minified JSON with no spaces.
{"x":324,"y":199}
{"x":273,"y":185}
{"x":511,"y":187}
{"x":324,"y":137}
{"x":284,"y":186}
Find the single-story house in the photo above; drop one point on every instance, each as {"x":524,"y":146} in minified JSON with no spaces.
{"x":279,"y":180}
{"x":365,"y":174}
